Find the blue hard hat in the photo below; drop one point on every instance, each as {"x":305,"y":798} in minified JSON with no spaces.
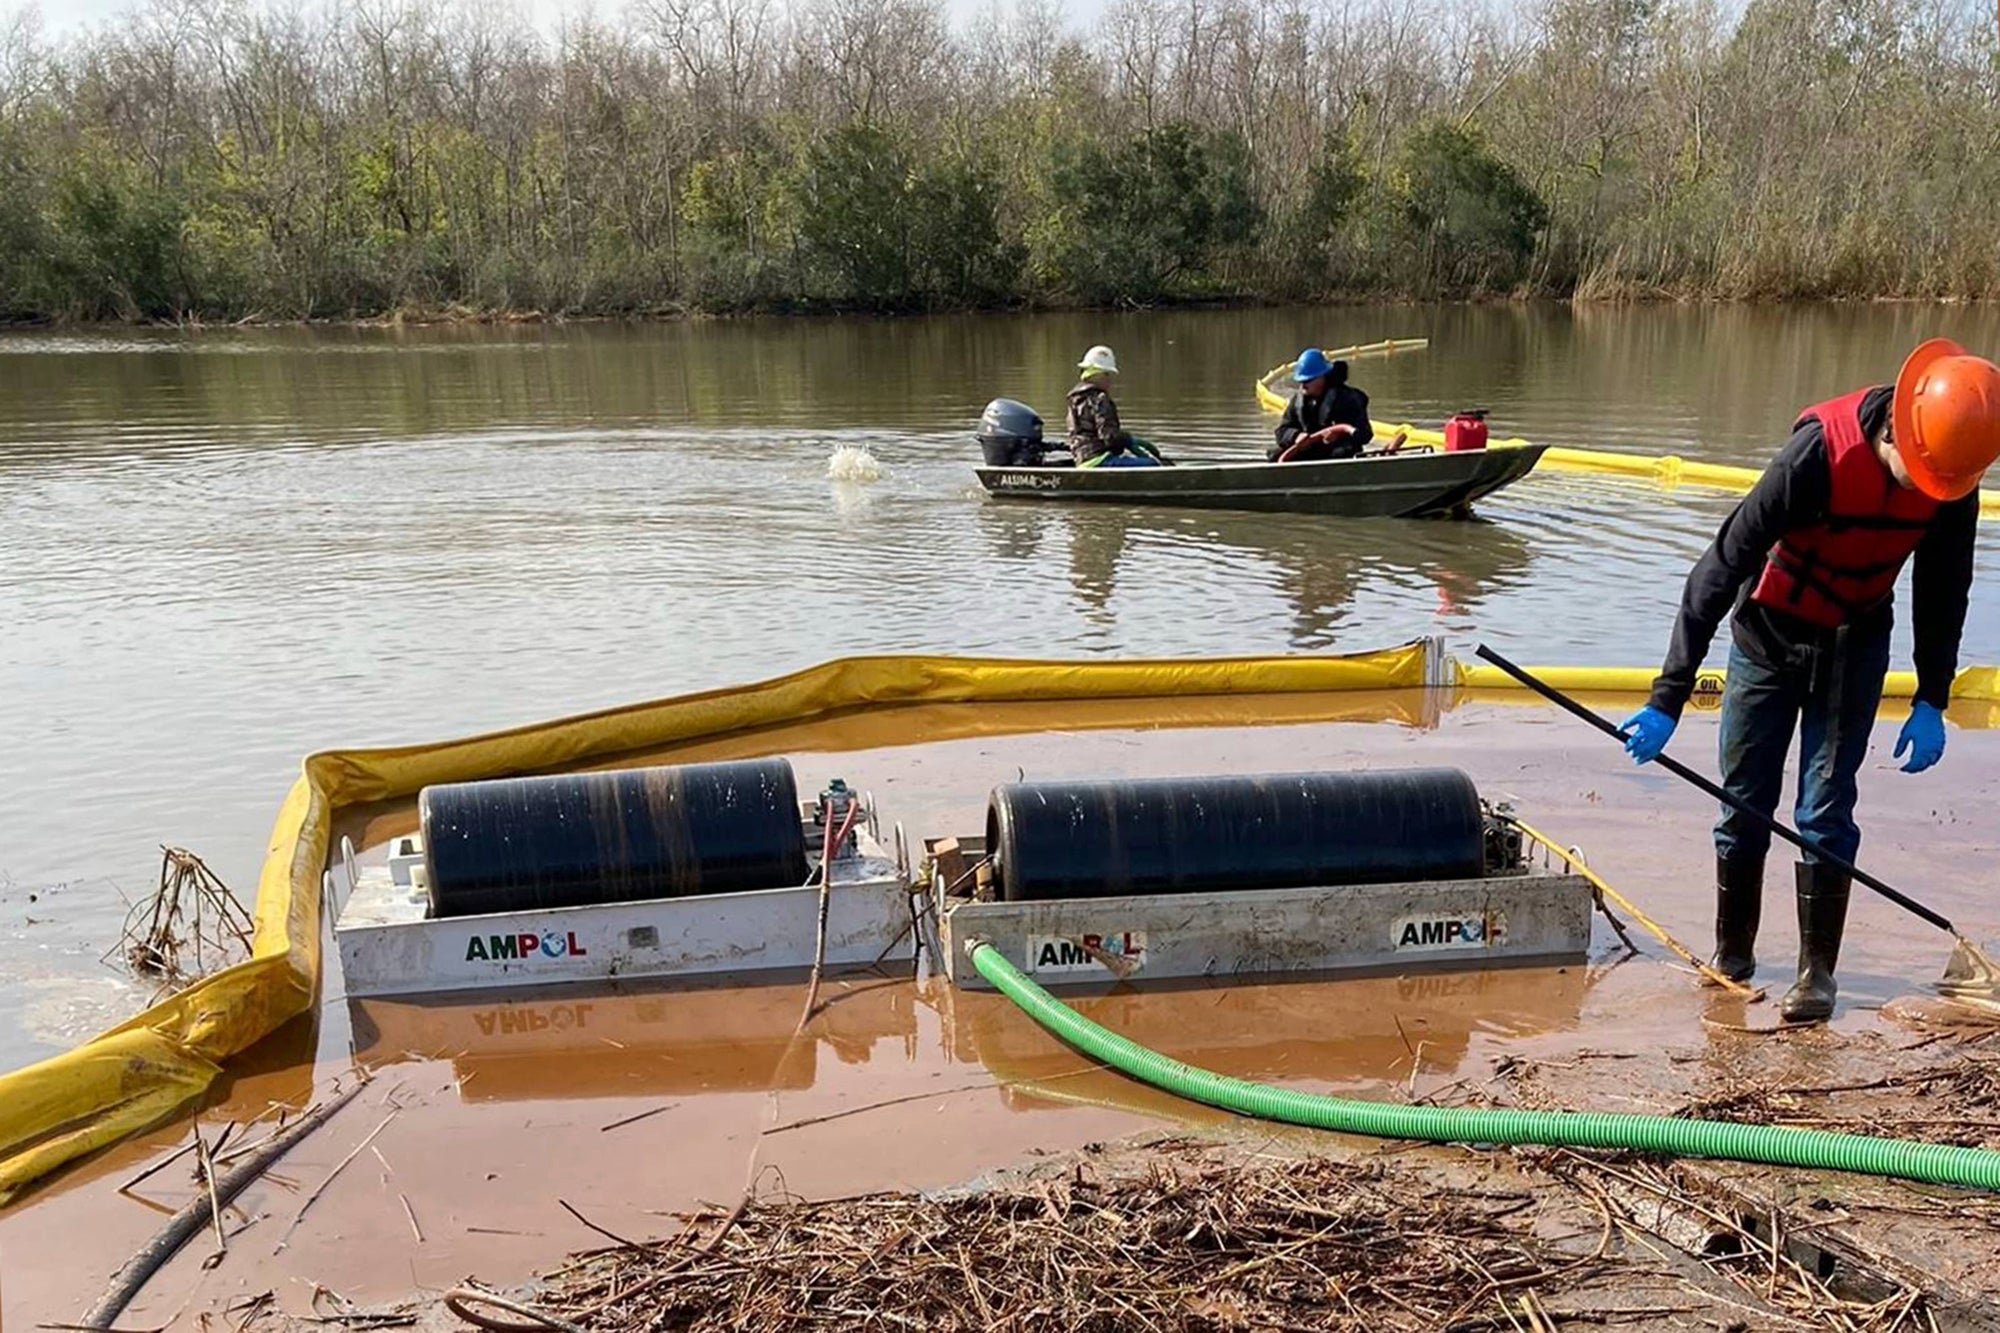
{"x":1312,"y":364}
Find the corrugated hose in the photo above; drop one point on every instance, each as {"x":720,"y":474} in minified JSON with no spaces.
{"x":1932,"y":1163}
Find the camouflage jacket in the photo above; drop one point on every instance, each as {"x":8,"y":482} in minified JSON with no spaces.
{"x":1093,"y":423}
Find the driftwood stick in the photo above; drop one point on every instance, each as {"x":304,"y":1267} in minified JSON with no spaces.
{"x":188,"y":1222}
{"x":157,"y":1167}
{"x":411,"y":1213}
{"x":608,"y":1235}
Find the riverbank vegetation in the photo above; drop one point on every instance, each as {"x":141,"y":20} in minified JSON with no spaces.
{"x":219,"y":160}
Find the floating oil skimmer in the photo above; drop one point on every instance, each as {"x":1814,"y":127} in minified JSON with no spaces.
{"x":1237,"y":876}
{"x":652,"y":872}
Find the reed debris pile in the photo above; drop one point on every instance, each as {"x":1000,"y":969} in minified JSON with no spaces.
{"x":1955,"y":1102}
{"x":1188,"y":1241}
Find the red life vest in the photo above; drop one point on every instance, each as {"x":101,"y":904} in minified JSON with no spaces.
{"x":1846,"y":564}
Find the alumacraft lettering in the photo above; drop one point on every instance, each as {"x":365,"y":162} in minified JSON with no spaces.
{"x":1448,"y":932}
{"x":527,"y":944}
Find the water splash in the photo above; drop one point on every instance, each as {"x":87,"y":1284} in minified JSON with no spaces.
{"x":853,"y":462}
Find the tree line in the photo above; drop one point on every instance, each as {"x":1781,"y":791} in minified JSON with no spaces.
{"x":215,"y":159}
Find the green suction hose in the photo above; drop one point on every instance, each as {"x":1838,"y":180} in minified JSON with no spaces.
{"x":1932,"y":1163}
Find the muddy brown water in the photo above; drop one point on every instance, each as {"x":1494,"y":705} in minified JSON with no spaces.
{"x":630,"y":1105}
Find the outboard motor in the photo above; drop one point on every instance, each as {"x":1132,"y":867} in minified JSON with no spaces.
{"x":1010,"y":434}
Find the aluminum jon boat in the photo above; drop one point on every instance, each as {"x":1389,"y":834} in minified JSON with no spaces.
{"x":1403,"y":485}
{"x":1414,"y":483}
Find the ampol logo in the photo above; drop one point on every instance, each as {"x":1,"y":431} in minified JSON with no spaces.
{"x":1448,"y":932}
{"x":524,"y":946}
{"x":1121,"y":951}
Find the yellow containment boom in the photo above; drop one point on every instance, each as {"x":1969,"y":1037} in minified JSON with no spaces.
{"x":145,"y":1069}
{"x":151,"y":1066}
{"x":1668,"y":470}
{"x":1972,"y":685}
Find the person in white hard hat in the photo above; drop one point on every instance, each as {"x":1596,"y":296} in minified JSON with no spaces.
{"x":1096,"y":439}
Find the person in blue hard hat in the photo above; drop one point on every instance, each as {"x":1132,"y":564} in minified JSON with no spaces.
{"x":1327,"y":417}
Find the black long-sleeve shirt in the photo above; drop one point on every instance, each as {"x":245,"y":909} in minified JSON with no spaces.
{"x":1340,"y":404}
{"x":1795,"y":492}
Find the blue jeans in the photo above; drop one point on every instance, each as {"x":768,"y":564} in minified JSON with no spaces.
{"x":1833,"y":709}
{"x":1129,"y":460}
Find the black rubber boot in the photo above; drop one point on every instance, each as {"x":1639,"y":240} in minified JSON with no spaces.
{"x":1739,"y":907}
{"x":1822,"y":918}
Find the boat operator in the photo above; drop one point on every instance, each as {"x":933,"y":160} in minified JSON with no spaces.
{"x":1096,"y":439}
{"x":1809,"y":560}
{"x":1327,"y":417}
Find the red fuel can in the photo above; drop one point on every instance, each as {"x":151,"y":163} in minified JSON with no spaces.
{"x":1466,"y":430}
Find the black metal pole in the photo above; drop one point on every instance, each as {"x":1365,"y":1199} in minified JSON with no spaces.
{"x":1688,"y":775}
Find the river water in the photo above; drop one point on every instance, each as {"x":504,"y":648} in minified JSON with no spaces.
{"x":223,"y":550}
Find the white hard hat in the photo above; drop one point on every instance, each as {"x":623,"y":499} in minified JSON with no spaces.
{"x":1099,"y":358}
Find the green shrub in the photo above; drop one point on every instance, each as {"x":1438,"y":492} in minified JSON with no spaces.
{"x":117,"y":251}
{"x":1147,"y":218}
{"x":1471,"y":219}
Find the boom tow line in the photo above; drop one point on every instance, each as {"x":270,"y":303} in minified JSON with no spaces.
{"x":1653,"y":928}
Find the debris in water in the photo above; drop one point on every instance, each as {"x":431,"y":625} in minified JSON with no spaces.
{"x":1970,"y":974}
{"x":190,"y":926}
{"x":217,"y":1193}
{"x":1961,"y":1018}
{"x":853,"y":462}
{"x":1792,"y":1260}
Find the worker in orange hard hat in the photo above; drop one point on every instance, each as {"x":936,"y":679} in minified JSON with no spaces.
{"x":1809,"y":560}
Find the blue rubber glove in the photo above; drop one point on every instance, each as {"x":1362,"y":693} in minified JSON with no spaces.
{"x":1923,"y":737}
{"x":1647,"y":733}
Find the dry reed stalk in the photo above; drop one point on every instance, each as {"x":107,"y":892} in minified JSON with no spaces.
{"x":189,"y":926}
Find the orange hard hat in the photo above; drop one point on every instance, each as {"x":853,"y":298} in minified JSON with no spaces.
{"x":1947,"y":418}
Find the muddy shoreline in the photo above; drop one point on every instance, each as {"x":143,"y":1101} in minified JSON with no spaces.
{"x":1245,"y":1225}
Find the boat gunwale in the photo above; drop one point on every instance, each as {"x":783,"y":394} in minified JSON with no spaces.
{"x":1476,"y":459}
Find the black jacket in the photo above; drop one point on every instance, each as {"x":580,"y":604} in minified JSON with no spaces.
{"x":1341,"y":403}
{"x":1794,"y":493}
